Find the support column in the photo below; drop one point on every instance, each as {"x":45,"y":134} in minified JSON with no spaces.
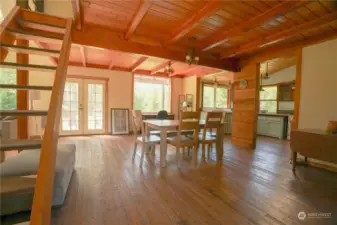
{"x":22,"y":77}
{"x":246,"y":106}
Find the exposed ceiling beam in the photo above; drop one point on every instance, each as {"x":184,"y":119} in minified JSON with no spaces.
{"x":184,"y":71}
{"x":78,"y":14}
{"x":189,"y":24}
{"x":137,"y":17}
{"x":138,"y":63}
{"x":104,"y":38}
{"x":282,"y":35}
{"x":223,"y":35}
{"x":287,"y":49}
{"x":160,"y":67}
{"x":83,"y":55}
{"x":215,"y":74}
{"x":148,"y":72}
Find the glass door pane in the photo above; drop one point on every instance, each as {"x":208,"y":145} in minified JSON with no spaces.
{"x":95,"y":107}
{"x":71,"y":111}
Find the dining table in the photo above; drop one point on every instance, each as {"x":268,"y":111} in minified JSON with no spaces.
{"x":169,"y":125}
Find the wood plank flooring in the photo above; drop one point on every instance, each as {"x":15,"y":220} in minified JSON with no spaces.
{"x":249,"y":187}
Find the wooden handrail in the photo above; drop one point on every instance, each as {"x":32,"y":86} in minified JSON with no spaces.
{"x":41,"y":209}
{"x":5,"y":37}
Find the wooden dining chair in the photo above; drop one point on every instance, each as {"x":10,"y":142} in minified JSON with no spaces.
{"x":188,"y":121}
{"x":147,"y":142}
{"x":212,"y":122}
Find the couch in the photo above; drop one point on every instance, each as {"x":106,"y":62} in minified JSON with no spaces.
{"x":314,"y":144}
{"x":22,"y":169}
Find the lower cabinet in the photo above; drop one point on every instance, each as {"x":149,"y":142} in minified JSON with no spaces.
{"x":271,"y":126}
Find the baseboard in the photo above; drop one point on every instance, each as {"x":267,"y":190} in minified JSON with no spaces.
{"x":323,"y":165}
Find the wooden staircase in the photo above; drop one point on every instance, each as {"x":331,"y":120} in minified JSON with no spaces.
{"x":23,"y":24}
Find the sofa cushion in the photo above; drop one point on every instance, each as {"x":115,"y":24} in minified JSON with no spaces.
{"x":25,"y":165}
{"x":27,"y":162}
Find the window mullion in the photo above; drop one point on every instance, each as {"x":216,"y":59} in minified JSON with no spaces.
{"x":214,"y":93}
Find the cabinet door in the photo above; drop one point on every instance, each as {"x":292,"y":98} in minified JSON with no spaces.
{"x":275,"y":128}
{"x":263,"y":126}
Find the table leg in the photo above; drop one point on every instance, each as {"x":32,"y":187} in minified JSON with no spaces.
{"x":219,"y":142}
{"x":163,"y":147}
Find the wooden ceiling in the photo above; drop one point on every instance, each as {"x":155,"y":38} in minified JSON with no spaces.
{"x":277,"y":64}
{"x":225,"y":31}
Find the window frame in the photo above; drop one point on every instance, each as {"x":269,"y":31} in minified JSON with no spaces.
{"x":152,"y":78}
{"x":270,"y":100}
{"x":214,"y":86}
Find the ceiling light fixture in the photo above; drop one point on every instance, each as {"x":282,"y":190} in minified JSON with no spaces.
{"x":265,"y":76}
{"x":191,"y":56}
{"x":168,"y":68}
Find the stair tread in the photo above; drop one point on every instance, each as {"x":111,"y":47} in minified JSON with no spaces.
{"x":29,"y":48}
{"x":23,"y":113}
{"x":45,"y":24}
{"x":14,"y":144}
{"x":19,"y":34}
{"x":25,"y":87}
{"x":27,"y":65}
{"x":24,"y":23}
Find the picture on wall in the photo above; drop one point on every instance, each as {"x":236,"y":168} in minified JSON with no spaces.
{"x":119,"y":121}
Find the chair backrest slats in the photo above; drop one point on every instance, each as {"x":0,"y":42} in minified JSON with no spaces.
{"x":189,"y":121}
{"x":213,"y":120}
{"x":138,"y":125}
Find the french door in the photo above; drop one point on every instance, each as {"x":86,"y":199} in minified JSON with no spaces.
{"x":83,"y":109}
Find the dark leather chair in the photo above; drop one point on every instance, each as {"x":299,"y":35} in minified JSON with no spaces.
{"x":162,"y":115}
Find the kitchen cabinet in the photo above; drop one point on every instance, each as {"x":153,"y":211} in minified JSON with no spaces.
{"x":272,"y":126}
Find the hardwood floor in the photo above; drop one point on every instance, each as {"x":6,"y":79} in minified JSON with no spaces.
{"x":249,"y":187}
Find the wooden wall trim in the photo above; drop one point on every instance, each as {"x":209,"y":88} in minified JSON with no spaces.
{"x":87,"y":77}
{"x":132,"y":90}
{"x":297,"y":96}
{"x":246,"y":106}
{"x":171,"y":95}
{"x":198,"y":93}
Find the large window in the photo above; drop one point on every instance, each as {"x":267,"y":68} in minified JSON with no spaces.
{"x":215,"y":96}
{"x":151,"y":94}
{"x":7,"y":96}
{"x":268,"y":99}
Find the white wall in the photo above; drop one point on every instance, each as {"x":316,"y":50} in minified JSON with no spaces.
{"x":176,"y":90}
{"x":190,"y":87}
{"x":6,"y":6}
{"x":285,"y":75}
{"x":61,"y":8}
{"x":318,"y":103}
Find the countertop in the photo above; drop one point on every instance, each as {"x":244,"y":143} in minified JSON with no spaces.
{"x":269,"y":114}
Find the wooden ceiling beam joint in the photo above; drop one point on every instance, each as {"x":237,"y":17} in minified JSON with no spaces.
{"x":189,"y":24}
{"x":160,"y":67}
{"x":137,"y":17}
{"x":83,"y":55}
{"x":223,"y":35}
{"x":283,"y":35}
{"x":78,"y":14}
{"x":139,"y":62}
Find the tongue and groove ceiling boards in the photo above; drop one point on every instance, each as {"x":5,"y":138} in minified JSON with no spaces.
{"x":141,"y":36}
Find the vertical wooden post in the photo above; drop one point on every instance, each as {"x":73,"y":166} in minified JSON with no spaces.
{"x":22,"y":95}
{"x":298,"y":81}
{"x":246,"y":106}
{"x":198,"y":95}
